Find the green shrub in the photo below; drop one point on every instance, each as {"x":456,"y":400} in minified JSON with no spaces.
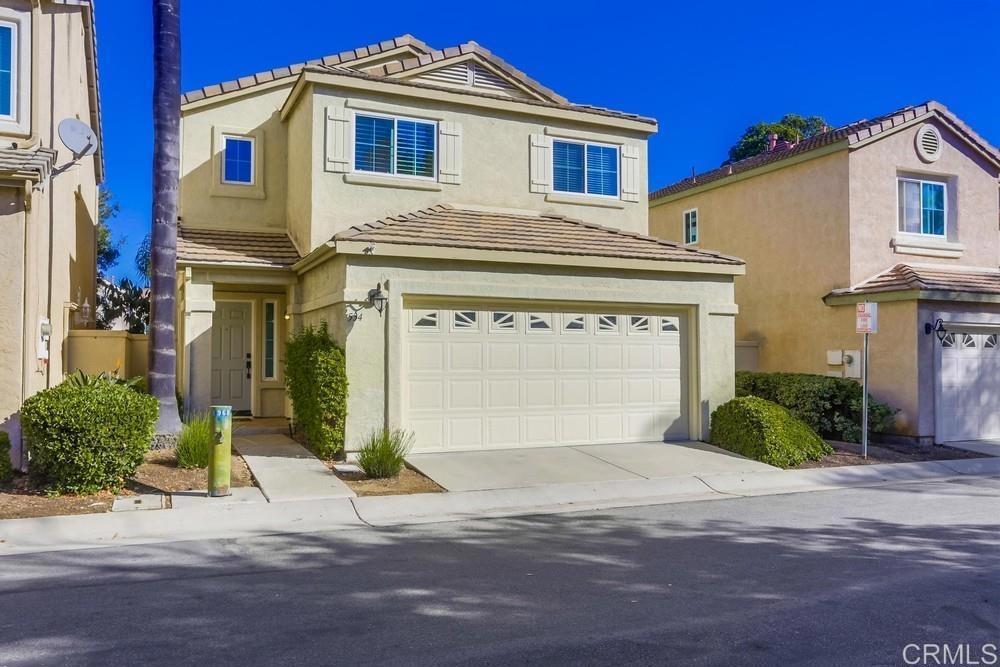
{"x":6,"y":469}
{"x":831,"y":406}
{"x":383,"y":450}
{"x":194,"y":444}
{"x":81,"y":379}
{"x":84,"y":438}
{"x":766,"y":432}
{"x":316,"y":380}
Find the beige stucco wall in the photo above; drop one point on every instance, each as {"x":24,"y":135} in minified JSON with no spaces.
{"x":118,"y":352}
{"x":790,"y":226}
{"x":202,"y":202}
{"x":50,"y":243}
{"x":972,"y":201}
{"x":373,"y":344}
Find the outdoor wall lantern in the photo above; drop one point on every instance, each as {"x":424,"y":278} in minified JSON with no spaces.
{"x":937,"y":328}
{"x":377,"y":298}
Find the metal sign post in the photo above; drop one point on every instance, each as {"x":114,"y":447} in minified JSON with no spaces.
{"x":219,"y":473}
{"x":867,"y":324}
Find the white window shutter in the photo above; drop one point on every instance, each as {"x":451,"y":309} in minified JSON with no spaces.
{"x":337,"y":140}
{"x":450,"y":152}
{"x":630,"y":173}
{"x":541,"y":163}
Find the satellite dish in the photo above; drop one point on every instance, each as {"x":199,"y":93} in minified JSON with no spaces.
{"x":78,"y":137}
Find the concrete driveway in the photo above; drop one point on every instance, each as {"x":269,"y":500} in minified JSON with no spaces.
{"x":514,"y":468}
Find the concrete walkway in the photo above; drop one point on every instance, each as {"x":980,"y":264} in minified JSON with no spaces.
{"x":519,"y":468}
{"x":987,"y":447}
{"x":285,"y":470}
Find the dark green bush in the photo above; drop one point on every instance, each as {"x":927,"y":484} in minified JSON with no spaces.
{"x":84,"y":438}
{"x":382,"y":452}
{"x":766,"y":432}
{"x":316,"y":379}
{"x":831,"y":406}
{"x":194,"y":444}
{"x":6,"y":469}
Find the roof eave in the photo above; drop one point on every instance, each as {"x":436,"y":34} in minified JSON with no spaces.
{"x":909,"y":294}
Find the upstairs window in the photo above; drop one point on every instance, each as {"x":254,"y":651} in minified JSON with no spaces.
{"x":582,"y":168}
{"x":8,"y":71}
{"x":394,"y":146}
{"x":922,"y":207}
{"x":691,"y":226}
{"x":238,"y":160}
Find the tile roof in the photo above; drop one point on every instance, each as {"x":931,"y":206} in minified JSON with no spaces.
{"x":342,"y":64}
{"x":481,"y":229}
{"x":927,"y":278}
{"x":235,"y":248}
{"x":852,"y":133}
{"x":32,"y":164}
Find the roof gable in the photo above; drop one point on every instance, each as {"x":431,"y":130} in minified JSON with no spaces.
{"x":850,"y":136}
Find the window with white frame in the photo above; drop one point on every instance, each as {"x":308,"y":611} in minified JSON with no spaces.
{"x":270,"y":338}
{"x":397,"y":146}
{"x":584,"y":168}
{"x":923,"y":207}
{"x":691,"y":226}
{"x":8,"y":69}
{"x":238,"y":161}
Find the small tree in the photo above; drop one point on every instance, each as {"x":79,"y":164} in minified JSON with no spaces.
{"x":791,"y":127}
{"x":316,"y":378}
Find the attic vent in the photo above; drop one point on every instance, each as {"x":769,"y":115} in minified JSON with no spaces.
{"x":928,"y":142}
{"x":483,"y":78}
{"x":455,"y":75}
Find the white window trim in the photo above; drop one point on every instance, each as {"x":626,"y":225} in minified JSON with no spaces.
{"x":263,"y":342}
{"x":18,"y":122}
{"x":684,"y":223}
{"x":899,"y":220}
{"x":253,"y":159}
{"x":221,"y":188}
{"x":618,"y":169}
{"x":395,"y":118}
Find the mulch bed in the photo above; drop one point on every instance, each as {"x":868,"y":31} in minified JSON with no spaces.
{"x":159,"y":473}
{"x":406,"y":482}
{"x":849,"y":454}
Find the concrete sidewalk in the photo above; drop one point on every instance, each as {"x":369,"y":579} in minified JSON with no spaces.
{"x":228,"y":521}
{"x":285,"y":470}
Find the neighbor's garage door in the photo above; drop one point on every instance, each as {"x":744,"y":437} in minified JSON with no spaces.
{"x":969,"y":388}
{"x":490,"y":379}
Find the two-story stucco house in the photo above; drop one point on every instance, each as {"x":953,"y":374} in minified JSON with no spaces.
{"x":475,"y":241}
{"x":48,"y":196}
{"x":901,"y":210}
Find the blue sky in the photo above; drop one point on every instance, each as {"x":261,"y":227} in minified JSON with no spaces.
{"x":705,"y":70}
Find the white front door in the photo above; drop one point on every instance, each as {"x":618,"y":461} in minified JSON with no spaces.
{"x":231,"y":358}
{"x":968,"y":391}
{"x":504,"y":377}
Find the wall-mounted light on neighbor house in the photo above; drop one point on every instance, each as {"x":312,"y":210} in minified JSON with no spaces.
{"x":937,"y":328}
{"x":378,"y":298}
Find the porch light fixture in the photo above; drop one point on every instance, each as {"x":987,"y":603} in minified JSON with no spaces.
{"x":937,"y":328}
{"x":377,"y":298}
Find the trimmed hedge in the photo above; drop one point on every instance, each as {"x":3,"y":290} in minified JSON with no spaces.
{"x":766,"y":432}
{"x":316,"y":380}
{"x":831,"y":406}
{"x":85,"y":438}
{"x":6,"y":469}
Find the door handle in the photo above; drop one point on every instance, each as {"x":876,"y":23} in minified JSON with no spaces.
{"x":248,"y":365}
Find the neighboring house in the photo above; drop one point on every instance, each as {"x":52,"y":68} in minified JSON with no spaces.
{"x":48,"y":73}
{"x":473,"y":239}
{"x":902,"y":210}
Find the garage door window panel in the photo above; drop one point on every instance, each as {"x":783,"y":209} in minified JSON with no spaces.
{"x":574,"y":323}
{"x":424,"y":320}
{"x":539,"y":322}
{"x":607,"y":324}
{"x":502,"y":321}
{"x":465,"y":321}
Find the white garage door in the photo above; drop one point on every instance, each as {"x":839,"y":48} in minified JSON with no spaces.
{"x":968,"y":405}
{"x":498,"y":378}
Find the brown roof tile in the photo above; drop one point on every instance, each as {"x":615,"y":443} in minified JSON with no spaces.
{"x":926,"y":278}
{"x":233,"y":247}
{"x":454,"y":227}
{"x":851,"y":133}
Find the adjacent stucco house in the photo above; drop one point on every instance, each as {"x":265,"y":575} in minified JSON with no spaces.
{"x":474,"y":240}
{"x":48,"y":197}
{"x":901,"y":209}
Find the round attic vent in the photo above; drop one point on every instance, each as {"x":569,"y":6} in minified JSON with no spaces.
{"x":928,"y":143}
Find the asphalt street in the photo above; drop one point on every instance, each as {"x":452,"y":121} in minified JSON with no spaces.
{"x":833,"y":578}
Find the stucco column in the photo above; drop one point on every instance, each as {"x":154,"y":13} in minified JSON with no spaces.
{"x":199,"y":307}
{"x":716,"y":360}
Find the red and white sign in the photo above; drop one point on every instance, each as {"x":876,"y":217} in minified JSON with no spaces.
{"x":867,"y":318}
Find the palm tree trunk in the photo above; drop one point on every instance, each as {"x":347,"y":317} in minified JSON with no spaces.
{"x":166,"y":170}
